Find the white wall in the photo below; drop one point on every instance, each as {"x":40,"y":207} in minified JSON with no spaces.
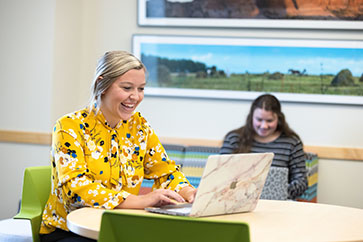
{"x":26,"y":67}
{"x":340,"y":183}
{"x":49,"y":53}
{"x":26,"y":63}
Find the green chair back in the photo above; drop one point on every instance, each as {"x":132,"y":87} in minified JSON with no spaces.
{"x":36,"y":189}
{"x":119,"y":226}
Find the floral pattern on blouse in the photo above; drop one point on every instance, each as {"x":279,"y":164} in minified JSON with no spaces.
{"x":94,"y":165}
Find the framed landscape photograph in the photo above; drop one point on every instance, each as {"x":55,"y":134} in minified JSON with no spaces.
{"x":307,"y":14}
{"x":320,"y":71}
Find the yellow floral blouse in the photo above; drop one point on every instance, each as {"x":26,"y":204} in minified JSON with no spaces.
{"x":94,"y":165}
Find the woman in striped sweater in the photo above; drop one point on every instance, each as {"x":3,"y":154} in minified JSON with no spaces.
{"x":266,"y":130}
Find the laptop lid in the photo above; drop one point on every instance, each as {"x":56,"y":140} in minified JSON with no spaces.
{"x":276,"y":185}
{"x":230,"y":184}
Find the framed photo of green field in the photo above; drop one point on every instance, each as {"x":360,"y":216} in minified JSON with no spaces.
{"x":299,"y":70}
{"x":294,"y":14}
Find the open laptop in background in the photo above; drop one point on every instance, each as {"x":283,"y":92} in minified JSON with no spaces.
{"x":276,"y":185}
{"x":229,"y":184}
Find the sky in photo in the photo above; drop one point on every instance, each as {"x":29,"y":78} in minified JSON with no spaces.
{"x":259,"y":59}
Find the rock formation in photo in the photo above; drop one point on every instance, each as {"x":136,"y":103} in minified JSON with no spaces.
{"x":271,"y":9}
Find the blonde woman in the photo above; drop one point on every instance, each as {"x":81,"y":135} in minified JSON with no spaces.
{"x":102,"y":153}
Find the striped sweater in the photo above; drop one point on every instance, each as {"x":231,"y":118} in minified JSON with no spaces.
{"x":288,"y":153}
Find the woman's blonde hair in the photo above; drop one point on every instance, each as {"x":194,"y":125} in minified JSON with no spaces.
{"x":111,"y":66}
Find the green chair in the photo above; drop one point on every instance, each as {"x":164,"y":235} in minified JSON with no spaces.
{"x":36,"y":189}
{"x":119,"y":226}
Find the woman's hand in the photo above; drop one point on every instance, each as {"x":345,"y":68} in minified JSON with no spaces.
{"x":156,"y":198}
{"x":188,"y":193}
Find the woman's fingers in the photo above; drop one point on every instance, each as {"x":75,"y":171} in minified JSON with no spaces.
{"x":188,"y":193}
{"x":158,"y":197}
{"x":172,"y":196}
{"x":165,"y":197}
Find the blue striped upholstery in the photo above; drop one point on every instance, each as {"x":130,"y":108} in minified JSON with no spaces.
{"x":192,"y":160}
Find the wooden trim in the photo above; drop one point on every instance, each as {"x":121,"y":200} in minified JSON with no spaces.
{"x":186,"y":142}
{"x":324,"y":152}
{"x":10,"y":136}
{"x":338,"y":153}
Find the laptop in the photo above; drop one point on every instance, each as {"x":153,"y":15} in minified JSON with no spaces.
{"x":230,"y":184}
{"x":276,"y":185}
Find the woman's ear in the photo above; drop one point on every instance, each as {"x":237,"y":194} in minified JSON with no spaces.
{"x":98,"y":80}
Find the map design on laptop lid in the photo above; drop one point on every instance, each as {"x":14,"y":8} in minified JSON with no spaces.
{"x":231,"y":184}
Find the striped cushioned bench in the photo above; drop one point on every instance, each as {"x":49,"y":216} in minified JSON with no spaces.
{"x":192,"y":160}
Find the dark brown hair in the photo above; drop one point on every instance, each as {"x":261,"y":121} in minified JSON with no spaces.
{"x":246,"y":133}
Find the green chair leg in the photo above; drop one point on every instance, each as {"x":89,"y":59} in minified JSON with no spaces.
{"x":36,"y":189}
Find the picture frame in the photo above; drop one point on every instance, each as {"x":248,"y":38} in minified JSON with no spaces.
{"x":252,"y":17}
{"x":295,"y":70}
